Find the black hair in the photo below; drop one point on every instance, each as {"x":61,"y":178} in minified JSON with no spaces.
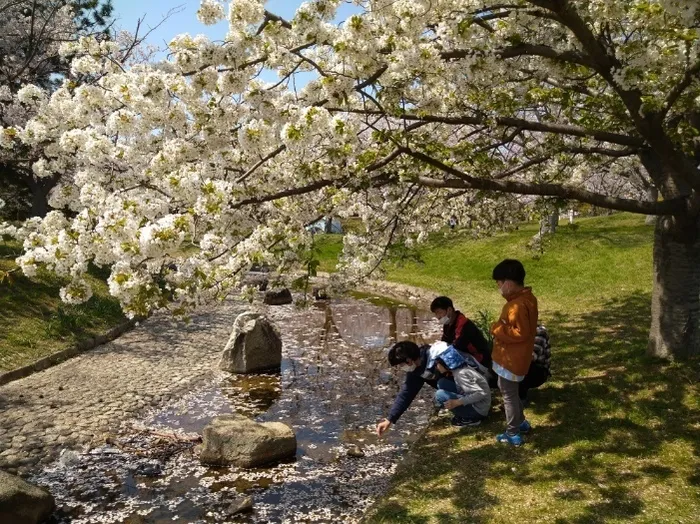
{"x":441,"y":303}
{"x":510,"y":269}
{"x":401,"y":351}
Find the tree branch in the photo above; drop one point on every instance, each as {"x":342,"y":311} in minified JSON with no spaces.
{"x":272,"y":17}
{"x":252,"y":170}
{"x":464,"y":181}
{"x":570,"y":57}
{"x":522,"y":167}
{"x":649,"y":126}
{"x":249,"y":63}
{"x":310,"y":62}
{"x":315,"y":186}
{"x":615,"y":153}
{"x":372,"y":79}
{"x":320,"y":184}
{"x":690,"y":75}
{"x":528,"y":125}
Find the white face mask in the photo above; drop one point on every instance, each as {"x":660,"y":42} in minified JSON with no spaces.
{"x":407,"y":367}
{"x":506,"y":288}
{"x":444,"y":320}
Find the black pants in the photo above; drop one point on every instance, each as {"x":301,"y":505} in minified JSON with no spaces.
{"x":536,"y":376}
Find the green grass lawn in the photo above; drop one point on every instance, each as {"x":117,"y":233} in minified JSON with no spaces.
{"x":35,"y":323}
{"x":617,"y":434}
{"x":598,"y":259}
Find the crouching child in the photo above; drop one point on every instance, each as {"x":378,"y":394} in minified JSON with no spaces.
{"x":412,"y":359}
{"x":467,"y":394}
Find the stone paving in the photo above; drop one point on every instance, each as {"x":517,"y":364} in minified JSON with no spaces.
{"x":76,"y":403}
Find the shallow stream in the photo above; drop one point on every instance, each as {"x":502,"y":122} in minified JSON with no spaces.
{"x":334,"y":386}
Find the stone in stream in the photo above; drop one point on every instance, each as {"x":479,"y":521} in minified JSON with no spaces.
{"x":320,"y":293}
{"x":355,"y":451}
{"x":278,"y":297}
{"x":146,"y":469}
{"x":23,"y":503}
{"x":258,"y":280}
{"x":254,"y":345}
{"x":240,"y":505}
{"x":239,"y":441}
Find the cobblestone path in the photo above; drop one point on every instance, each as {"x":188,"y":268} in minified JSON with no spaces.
{"x":75,"y":403}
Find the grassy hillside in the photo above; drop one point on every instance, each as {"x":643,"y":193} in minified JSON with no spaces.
{"x":35,"y":323}
{"x":616,"y":433}
{"x":596,"y":260}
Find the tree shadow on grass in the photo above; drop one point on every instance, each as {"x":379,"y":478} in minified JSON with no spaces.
{"x":611,"y":423}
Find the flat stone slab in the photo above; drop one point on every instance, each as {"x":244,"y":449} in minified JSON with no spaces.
{"x":239,"y":441}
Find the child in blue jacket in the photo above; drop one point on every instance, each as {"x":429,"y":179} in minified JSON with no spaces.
{"x":463,"y":388}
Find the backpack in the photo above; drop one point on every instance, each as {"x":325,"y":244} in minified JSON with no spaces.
{"x":542,"y":351}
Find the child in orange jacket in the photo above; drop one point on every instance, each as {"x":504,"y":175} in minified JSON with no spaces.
{"x":513,"y":340}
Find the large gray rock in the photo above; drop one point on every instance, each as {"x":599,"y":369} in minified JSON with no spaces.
{"x":254,"y":345}
{"x":239,"y":441}
{"x":23,"y":503}
{"x":278,"y":297}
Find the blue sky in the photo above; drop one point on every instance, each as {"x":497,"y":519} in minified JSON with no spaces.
{"x":128,"y":12}
{"x":184,"y":20}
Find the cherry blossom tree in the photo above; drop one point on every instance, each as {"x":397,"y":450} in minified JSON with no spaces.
{"x":32,"y":33}
{"x":188,"y":171}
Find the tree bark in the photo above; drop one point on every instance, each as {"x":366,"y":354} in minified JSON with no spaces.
{"x":652,"y":196}
{"x":549,"y":223}
{"x":675,"y":301}
{"x":40,"y":188}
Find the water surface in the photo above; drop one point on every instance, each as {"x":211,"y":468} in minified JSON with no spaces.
{"x":334,"y":385}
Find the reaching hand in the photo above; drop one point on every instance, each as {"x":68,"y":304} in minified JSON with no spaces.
{"x":382,"y":427}
{"x":452,"y":403}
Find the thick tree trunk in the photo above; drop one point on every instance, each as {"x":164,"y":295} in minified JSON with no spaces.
{"x":652,"y":196}
{"x":40,"y":204}
{"x":675,"y":302}
{"x":549,"y":223}
{"x":40,"y":189}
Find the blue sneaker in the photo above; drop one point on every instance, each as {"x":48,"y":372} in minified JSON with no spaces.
{"x":525,"y":427}
{"x":513,"y":440}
